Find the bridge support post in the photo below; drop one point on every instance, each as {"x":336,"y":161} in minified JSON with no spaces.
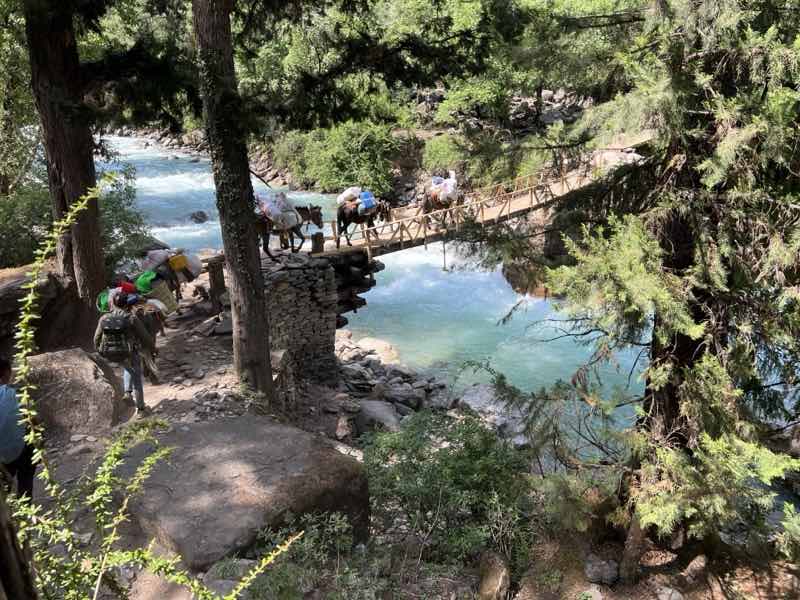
{"x":365,"y":235}
{"x":317,"y":242}
{"x":216,"y":282}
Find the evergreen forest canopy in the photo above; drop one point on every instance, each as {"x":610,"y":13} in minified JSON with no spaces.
{"x":689,"y":256}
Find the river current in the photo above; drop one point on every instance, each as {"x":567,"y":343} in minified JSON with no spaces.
{"x":437,"y":319}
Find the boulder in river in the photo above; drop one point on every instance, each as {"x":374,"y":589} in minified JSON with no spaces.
{"x":228,"y":479}
{"x":77,"y":393}
{"x":198,"y":216}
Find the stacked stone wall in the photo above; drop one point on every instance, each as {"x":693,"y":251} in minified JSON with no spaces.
{"x":302,"y":303}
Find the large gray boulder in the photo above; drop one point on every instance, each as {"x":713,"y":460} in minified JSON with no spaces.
{"x":77,"y":393}
{"x":405,"y":394}
{"x":226,"y":480}
{"x":381,"y":348}
{"x":482,"y":400}
{"x":376,"y":414}
{"x":598,"y":570}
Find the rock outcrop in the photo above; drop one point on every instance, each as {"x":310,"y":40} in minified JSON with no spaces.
{"x":227,"y":480}
{"x":377,"y":415}
{"x":482,"y":400}
{"x":68,"y":321}
{"x":77,"y":393}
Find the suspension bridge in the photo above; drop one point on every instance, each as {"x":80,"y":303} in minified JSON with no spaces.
{"x":409,"y":227}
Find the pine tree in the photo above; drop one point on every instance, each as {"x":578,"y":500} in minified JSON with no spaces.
{"x":691,"y":258}
{"x":705,"y":272}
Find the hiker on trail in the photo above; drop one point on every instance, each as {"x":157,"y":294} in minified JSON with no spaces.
{"x":16,"y":455}
{"x":121,"y":337}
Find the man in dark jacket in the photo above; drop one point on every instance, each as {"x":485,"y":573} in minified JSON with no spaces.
{"x":120,"y":337}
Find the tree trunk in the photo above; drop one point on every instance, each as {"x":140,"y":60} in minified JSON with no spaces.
{"x":16,"y":582}
{"x":57,"y":88}
{"x":635,"y":547}
{"x":662,"y":418}
{"x":226,"y":139}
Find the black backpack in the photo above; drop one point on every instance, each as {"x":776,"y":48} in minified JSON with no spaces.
{"x":115,"y":343}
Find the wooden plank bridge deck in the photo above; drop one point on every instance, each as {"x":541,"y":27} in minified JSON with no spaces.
{"x":410,"y":227}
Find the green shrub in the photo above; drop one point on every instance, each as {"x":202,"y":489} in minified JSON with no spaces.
{"x":478,"y":97}
{"x":326,"y":540}
{"x":25,"y":219}
{"x":123,"y":228}
{"x":353,"y":153}
{"x":288,"y":152}
{"x":443,"y":152}
{"x":455,"y":484}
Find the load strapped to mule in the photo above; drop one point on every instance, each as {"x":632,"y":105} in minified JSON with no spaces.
{"x":363,"y":201}
{"x":444,"y":192}
{"x":276,"y":207}
{"x":358,"y":206}
{"x":275,"y":212}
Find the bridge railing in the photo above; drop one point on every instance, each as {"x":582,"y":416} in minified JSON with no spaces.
{"x":496,"y":203}
{"x":421,"y":228}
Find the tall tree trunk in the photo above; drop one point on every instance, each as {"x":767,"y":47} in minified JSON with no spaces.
{"x":662,"y":417}
{"x":16,"y":582}
{"x":57,"y":88}
{"x":226,"y":139}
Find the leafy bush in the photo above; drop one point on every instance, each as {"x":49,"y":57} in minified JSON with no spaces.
{"x":326,"y":540}
{"x":288,"y":152}
{"x":443,"y":152}
{"x":353,"y":153}
{"x":479,"y":97}
{"x":122,"y":226}
{"x":26,"y":217}
{"x":457,"y":486}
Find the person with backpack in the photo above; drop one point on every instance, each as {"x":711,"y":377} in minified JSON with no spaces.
{"x":120,"y":338}
{"x":16,"y":455}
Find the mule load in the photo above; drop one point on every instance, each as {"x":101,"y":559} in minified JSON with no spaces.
{"x":359,"y":206}
{"x":276,"y":213}
{"x":444,"y":192}
{"x":173,"y":267}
